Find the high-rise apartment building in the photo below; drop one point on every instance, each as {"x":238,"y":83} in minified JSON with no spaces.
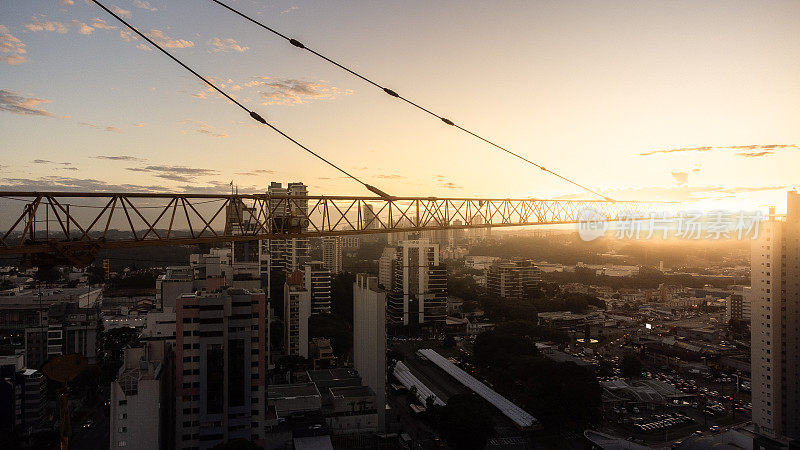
{"x":386,"y":266}
{"x":369,"y":339}
{"x":332,"y":253}
{"x":220,"y":368}
{"x":296,"y":311}
{"x":318,"y":283}
{"x":287,"y":254}
{"x":142,"y":400}
{"x":64,"y":328}
{"x":738,"y":306}
{"x":419,"y":293}
{"x":775,"y":324}
{"x":511,"y":279}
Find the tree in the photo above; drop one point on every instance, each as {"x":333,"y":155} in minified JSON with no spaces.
{"x":497,"y":348}
{"x":448,"y":341}
{"x":465,"y":422}
{"x":630,"y":365}
{"x":334,"y":328}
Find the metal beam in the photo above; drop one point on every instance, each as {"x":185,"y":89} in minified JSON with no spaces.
{"x":158,"y":219}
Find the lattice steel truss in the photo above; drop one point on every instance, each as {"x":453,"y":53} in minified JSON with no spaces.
{"x":70,"y":223}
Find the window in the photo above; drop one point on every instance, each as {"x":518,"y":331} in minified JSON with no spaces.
{"x":122,"y":402}
{"x":122,"y":444}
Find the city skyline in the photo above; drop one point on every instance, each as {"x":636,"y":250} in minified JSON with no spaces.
{"x":676,"y":101}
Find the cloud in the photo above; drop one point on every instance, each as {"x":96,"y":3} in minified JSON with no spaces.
{"x":450,"y":185}
{"x":69,"y":168}
{"x":756,"y":154}
{"x":119,"y":11}
{"x":27,"y":106}
{"x":202,"y":128}
{"x":66,"y":2}
{"x":174,"y":173}
{"x":226,"y":45}
{"x":144,"y":5}
{"x":60,"y":183}
{"x":254,"y":173}
{"x":160,"y":38}
{"x":118,"y":157}
{"x":101,"y":24}
{"x":12,"y":50}
{"x":746,"y":148}
{"x":139,"y":124}
{"x":112,"y":129}
{"x":144,"y":47}
{"x":42,"y":161}
{"x":390,"y":177}
{"x":36,"y":24}
{"x":290,"y":9}
{"x":681,"y":177}
{"x":82,"y":27}
{"x":296,"y":92}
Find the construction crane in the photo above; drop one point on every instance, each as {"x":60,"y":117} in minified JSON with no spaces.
{"x":71,"y":227}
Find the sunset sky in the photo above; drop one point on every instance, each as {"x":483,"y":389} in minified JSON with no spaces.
{"x":659,"y":100}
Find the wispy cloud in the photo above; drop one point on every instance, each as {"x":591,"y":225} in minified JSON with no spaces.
{"x":16,"y":103}
{"x":296,"y":92}
{"x":390,"y":177}
{"x":756,"y":154}
{"x":38,"y":23}
{"x":42,"y":161}
{"x":120,"y":11}
{"x":743,"y":150}
{"x":144,"y":5}
{"x":681,"y":177}
{"x":257,"y":172}
{"x":290,"y":9}
{"x":160,"y":38}
{"x":174,"y":173}
{"x":201,"y":127}
{"x":12,"y":50}
{"x":139,"y":124}
{"x":66,"y":2}
{"x":226,"y":45}
{"x":118,"y":157}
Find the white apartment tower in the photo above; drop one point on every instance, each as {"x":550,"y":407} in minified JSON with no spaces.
{"x":318,"y":283}
{"x":419,"y":292}
{"x":775,"y":324}
{"x":332,"y":253}
{"x":369,"y":339}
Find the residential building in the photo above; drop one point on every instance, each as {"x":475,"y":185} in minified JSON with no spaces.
{"x":64,"y":328}
{"x":332,"y":253}
{"x":296,"y":311}
{"x":318,"y":283}
{"x":386,"y":266}
{"x":220,"y":368}
{"x":419,"y":293}
{"x":775,"y":323}
{"x":737,"y":305}
{"x":321,"y":353}
{"x":369,"y":339}
{"x":511,"y":279}
{"x":287,"y":254}
{"x":22,"y":396}
{"x":176,"y":281}
{"x":142,"y":399}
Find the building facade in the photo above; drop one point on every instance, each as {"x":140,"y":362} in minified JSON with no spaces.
{"x":775,"y":324}
{"x":332,"y":253}
{"x":317,"y":280}
{"x":419,"y":292}
{"x":220,"y":362}
{"x":369,"y":339}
